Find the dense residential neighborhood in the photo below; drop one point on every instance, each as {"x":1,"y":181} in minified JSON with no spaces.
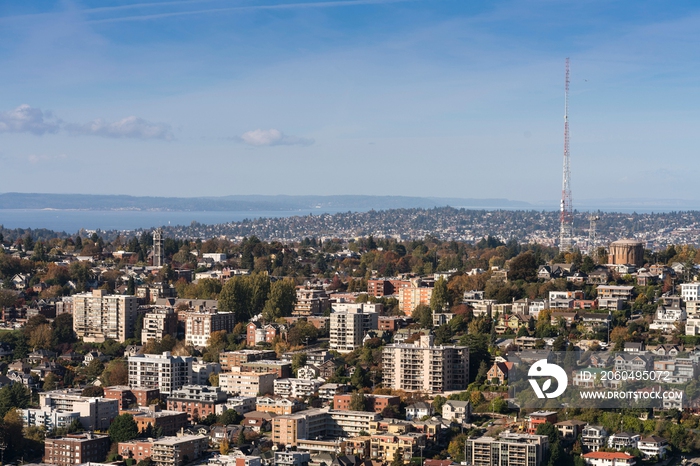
{"x":151,"y":350}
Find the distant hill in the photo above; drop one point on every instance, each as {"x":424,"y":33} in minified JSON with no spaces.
{"x":236,"y":203}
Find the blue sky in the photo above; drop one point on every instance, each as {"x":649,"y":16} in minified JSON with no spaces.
{"x":428,"y":98}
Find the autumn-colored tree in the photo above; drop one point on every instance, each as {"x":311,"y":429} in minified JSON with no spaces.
{"x":41,"y":337}
{"x":224,"y":446}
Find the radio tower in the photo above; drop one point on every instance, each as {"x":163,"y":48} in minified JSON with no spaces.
{"x":567,"y":213}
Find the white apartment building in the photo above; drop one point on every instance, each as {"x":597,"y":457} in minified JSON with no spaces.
{"x":242,"y":404}
{"x":202,"y":370}
{"x":507,"y":450}
{"x":422,"y":366}
{"x":95,"y":413}
{"x":98,"y":316}
{"x":48,"y":418}
{"x":200,"y":325}
{"x":249,"y":384}
{"x":690,"y":291}
{"x":158,"y":323}
{"x":296,"y":388}
{"x":348,"y":327}
{"x":163,"y":371}
{"x":692,"y":326}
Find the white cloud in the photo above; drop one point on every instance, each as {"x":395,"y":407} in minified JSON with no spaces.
{"x":273,"y":137}
{"x":26,"y":119}
{"x":35,"y":159}
{"x":129,"y":127}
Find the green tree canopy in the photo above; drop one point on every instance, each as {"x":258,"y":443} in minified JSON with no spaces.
{"x":123,"y":429}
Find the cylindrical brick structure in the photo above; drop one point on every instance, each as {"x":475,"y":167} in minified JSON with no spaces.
{"x":626,"y":251}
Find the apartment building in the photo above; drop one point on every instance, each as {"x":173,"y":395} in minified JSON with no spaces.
{"x":231,"y":359}
{"x":422,"y":366}
{"x":690,"y":291}
{"x":95,"y":413}
{"x":311,"y":302}
{"x":283,"y":369}
{"x":278,"y":406}
{"x":507,"y":450}
{"x":374,"y":403}
{"x":320,"y":423}
{"x":385,"y":447}
{"x":241,"y":404}
{"x":169,"y":422}
{"x":201,"y":324}
{"x":379,"y":287}
{"x":413,"y":296}
{"x":292,"y":458}
{"x":48,"y":418}
{"x":198,"y":401}
{"x":163,"y":371}
{"x":247,"y":383}
{"x":157,"y":323}
{"x":98,"y":316}
{"x":166,"y":451}
{"x":349,"y":326}
{"x":76,"y":449}
{"x":201,"y":371}
{"x":623,"y":292}
{"x":296,"y":388}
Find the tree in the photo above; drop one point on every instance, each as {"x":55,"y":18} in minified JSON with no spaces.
{"x":229,"y":417}
{"x":301,"y":333}
{"x":214,"y":379}
{"x":438,"y":402}
{"x":235,"y":297}
{"x":241,"y":438}
{"x":499,"y":405}
{"x":93,"y":391}
{"x":456,"y":447}
{"x":116,"y":373}
{"x":358,"y":402}
{"x":95,"y":369}
{"x":123,"y":428}
{"x":440,"y":297}
{"x":423,"y":315}
{"x":397,"y":460}
{"x":13,"y":396}
{"x":41,"y":337}
{"x":259,"y":293}
{"x":549,"y":430}
{"x":223,"y":446}
{"x":298,"y":360}
{"x":283,"y":297}
{"x":523,"y":267}
{"x":13,"y":426}
{"x":49,"y":382}
{"x":63,"y":328}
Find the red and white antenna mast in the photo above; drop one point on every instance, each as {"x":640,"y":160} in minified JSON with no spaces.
{"x":567,"y":212}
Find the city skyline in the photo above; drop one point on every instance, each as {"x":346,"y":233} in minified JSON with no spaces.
{"x":198,"y":98}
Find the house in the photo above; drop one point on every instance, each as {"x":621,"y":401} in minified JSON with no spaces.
{"x":598,"y":276}
{"x":540,"y":417}
{"x":653,"y":447}
{"x":35,"y":357}
{"x":593,"y":437}
{"x":633,"y":347}
{"x":623,"y":441}
{"x":308,"y":372}
{"x":498,"y":374}
{"x":570,"y":429}
{"x":667,"y":350}
{"x":568,"y":317}
{"x":458,"y":411}
{"x":418,"y":410}
{"x":667,"y":318}
{"x":631,"y":362}
{"x":95,"y":355}
{"x":605,"y":458}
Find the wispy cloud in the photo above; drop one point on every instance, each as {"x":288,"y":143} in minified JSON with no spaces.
{"x":35,"y":159}
{"x":129,"y":127}
{"x":273,"y":137}
{"x":26,"y":119}
{"x":283,"y":6}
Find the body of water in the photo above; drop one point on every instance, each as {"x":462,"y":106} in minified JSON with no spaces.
{"x":71,"y":221}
